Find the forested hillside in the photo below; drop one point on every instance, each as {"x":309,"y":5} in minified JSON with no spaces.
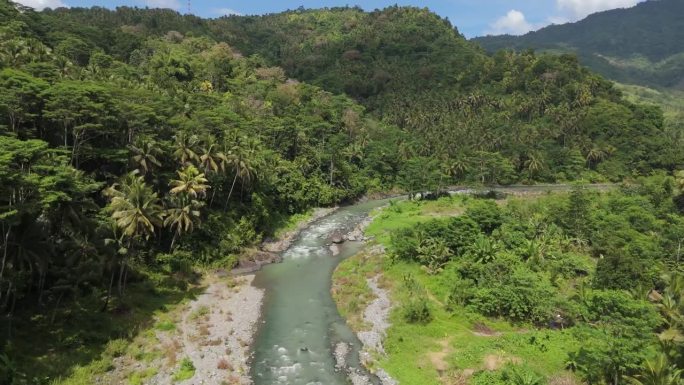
{"x":641,"y":45}
{"x":497,"y":119}
{"x":135,"y":144}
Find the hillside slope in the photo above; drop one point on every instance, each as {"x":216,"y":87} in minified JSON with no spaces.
{"x":642,"y":45}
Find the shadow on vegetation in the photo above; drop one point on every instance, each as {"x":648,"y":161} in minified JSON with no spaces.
{"x":42,"y":351}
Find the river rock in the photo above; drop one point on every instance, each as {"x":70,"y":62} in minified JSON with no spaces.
{"x":341,"y":353}
{"x":254,"y":261}
{"x":337,"y":239}
{"x":335,"y":250}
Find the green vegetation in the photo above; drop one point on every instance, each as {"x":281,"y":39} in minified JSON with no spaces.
{"x":186,"y":370}
{"x":138,"y":145}
{"x":571,"y":286}
{"x":292,"y":222}
{"x":139,"y":378}
{"x":500,"y":119}
{"x":640,"y":45}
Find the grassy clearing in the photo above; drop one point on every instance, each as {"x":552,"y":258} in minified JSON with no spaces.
{"x":457,"y":346}
{"x":82,"y":343}
{"x":401,"y":214}
{"x":474,"y":342}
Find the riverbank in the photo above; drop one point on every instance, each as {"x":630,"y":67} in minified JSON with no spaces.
{"x":452,"y":344}
{"x":270,"y":249}
{"x":205,"y":341}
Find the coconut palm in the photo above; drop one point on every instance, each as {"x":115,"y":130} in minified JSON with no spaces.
{"x":595,"y":155}
{"x":183,"y":217}
{"x":190,"y":182}
{"x":241,"y":158}
{"x":458,"y":167}
{"x":534,"y":163}
{"x":146,"y":153}
{"x":136,"y":212}
{"x":186,"y":148}
{"x":212,"y":159}
{"x":135,"y":207}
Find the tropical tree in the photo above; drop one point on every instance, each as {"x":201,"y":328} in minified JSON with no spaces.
{"x":135,"y":209}
{"x":241,"y":157}
{"x":145,"y":155}
{"x":183,"y":217}
{"x":212,"y":160}
{"x":190,"y":182}
{"x":186,"y":148}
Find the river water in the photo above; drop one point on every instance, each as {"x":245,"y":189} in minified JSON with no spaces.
{"x":301,"y":325}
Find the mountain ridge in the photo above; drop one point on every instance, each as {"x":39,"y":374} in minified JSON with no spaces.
{"x":643,"y":44}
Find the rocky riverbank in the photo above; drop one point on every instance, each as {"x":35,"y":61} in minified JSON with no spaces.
{"x":269,"y":251}
{"x":206,"y":341}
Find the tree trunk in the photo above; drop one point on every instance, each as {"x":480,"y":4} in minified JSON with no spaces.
{"x":332,"y":166}
{"x":122,"y":263}
{"x":225,"y":208}
{"x":173,"y":239}
{"x":4,"y":255}
{"x":125,"y":277}
{"x":54,"y":311}
{"x":7,"y":296}
{"x":109,"y":291}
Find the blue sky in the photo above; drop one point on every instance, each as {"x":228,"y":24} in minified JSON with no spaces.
{"x":472,"y":17}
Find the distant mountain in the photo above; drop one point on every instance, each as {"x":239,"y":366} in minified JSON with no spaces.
{"x":641,"y":45}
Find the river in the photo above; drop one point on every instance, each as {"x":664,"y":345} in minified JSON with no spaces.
{"x":300,"y":322}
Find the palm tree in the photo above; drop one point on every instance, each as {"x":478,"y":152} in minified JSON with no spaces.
{"x":595,"y":156}
{"x":186,"y":148}
{"x":458,"y":167}
{"x":657,"y":372}
{"x":241,"y":158}
{"x":534,"y":163}
{"x":212,"y":160}
{"x":145,"y":155}
{"x":135,"y":207}
{"x":190,"y":182}
{"x":136,"y":212}
{"x":183,"y":217}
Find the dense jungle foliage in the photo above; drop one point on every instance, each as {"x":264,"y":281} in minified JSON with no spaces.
{"x":137,"y":142}
{"x":599,"y":274}
{"x":640,"y":45}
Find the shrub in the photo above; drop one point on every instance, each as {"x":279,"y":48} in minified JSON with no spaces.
{"x":522,"y":296}
{"x":461,"y":293}
{"x":186,"y":370}
{"x":520,"y":375}
{"x":485,"y":213}
{"x":417,"y":310}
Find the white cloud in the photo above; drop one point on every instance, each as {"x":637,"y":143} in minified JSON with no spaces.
{"x":513,"y":23}
{"x":172,"y":4}
{"x":40,"y":4}
{"x":578,"y":9}
{"x":227,"y":12}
